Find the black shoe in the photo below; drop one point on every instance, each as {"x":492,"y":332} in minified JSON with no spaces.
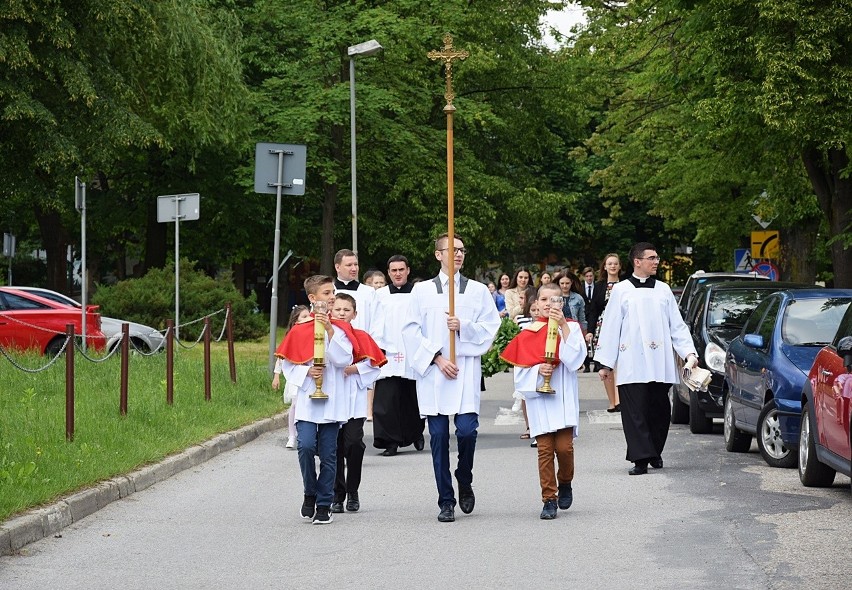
{"x":337,"y":507}
{"x":656,"y":463}
{"x":322,"y":516}
{"x":420,"y":443}
{"x":534,"y":444}
{"x":566,"y":496}
{"x":617,"y":407}
{"x":353,"y":504}
{"x":638,"y":470}
{"x":447,"y":514}
{"x":549,"y":510}
{"x":466,"y":500}
{"x":390,"y":452}
{"x":308,"y":507}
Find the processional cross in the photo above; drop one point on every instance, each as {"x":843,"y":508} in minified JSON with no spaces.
{"x":448,"y":55}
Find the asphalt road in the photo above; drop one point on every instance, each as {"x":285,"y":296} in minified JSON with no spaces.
{"x":709,"y":519}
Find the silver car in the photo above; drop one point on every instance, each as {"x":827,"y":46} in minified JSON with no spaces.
{"x":144,"y":338}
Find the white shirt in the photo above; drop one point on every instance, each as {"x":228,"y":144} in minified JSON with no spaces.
{"x":388,"y":320}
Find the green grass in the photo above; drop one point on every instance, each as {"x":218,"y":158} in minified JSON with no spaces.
{"x":38,"y":465}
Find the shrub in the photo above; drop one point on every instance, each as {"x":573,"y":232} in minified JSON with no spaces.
{"x":491,"y":361}
{"x":150,"y":300}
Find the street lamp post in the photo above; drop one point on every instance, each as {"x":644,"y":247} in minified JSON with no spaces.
{"x":370,"y":47}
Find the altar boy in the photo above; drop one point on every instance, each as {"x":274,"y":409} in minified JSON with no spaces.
{"x":553,"y":417}
{"x":318,"y":420}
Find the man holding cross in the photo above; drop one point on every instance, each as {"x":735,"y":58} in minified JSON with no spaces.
{"x":445,"y":385}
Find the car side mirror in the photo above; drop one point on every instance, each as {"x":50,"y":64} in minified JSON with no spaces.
{"x":844,"y":351}
{"x":753,"y":340}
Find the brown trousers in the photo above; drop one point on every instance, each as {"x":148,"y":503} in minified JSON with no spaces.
{"x":559,"y":444}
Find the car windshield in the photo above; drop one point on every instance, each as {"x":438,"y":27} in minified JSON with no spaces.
{"x":731,"y":309}
{"x":813,"y":322}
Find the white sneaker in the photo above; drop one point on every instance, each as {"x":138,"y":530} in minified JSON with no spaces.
{"x":516,"y":407}
{"x":291,"y":443}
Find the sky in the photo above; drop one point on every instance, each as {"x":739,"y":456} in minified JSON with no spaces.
{"x":562,"y":20}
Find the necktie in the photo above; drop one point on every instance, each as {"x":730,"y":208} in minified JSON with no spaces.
{"x":588,"y":291}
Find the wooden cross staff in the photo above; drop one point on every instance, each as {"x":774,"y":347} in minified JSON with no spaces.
{"x":448,"y":55}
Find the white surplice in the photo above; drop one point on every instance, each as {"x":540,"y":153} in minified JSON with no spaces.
{"x":549,"y":412}
{"x":365,"y":301}
{"x":388,"y":321}
{"x":425,"y":333}
{"x":358,"y":384}
{"x":338,"y":355}
{"x":640,"y":327}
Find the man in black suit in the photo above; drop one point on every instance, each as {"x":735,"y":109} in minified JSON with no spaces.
{"x":588,"y":275}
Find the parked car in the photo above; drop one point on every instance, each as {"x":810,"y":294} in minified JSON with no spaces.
{"x":716,"y":316}
{"x":767,"y":365}
{"x":700,"y":278}
{"x":824,"y":440}
{"x":145,"y":338}
{"x":28,"y":321}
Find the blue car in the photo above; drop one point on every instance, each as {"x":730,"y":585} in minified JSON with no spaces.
{"x":766,"y":367}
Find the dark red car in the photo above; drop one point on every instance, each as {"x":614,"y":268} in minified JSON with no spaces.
{"x":31,"y":322}
{"x":825,"y":446}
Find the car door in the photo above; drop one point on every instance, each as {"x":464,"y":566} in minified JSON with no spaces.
{"x":735,"y":359}
{"x":17,"y":329}
{"x":752,"y":369}
{"x":830,"y":400}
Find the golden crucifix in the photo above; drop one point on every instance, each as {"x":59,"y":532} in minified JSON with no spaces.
{"x":448,"y":55}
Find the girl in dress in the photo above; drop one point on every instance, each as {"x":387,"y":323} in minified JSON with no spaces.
{"x":299,"y":314}
{"x":610,"y":274}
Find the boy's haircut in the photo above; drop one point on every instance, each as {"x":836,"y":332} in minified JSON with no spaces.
{"x":587,"y":270}
{"x":637,"y":250}
{"x":349,"y":298}
{"x":398,"y":258}
{"x":314,"y":282}
{"x":338,"y":258}
{"x":445,"y":236}
{"x":549,"y":287}
{"x":294,"y":315}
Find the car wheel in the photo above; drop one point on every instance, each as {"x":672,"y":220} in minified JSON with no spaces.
{"x":736,"y":441}
{"x":140,"y":345}
{"x":699,"y":423}
{"x":769,"y":441}
{"x":680,"y":411}
{"x":54,"y":346}
{"x":812,"y":473}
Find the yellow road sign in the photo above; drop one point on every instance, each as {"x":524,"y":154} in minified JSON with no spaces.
{"x":765,"y":244}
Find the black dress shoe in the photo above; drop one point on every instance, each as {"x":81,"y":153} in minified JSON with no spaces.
{"x":390,"y":452}
{"x":447,"y":514}
{"x":638,"y":470}
{"x":337,"y":507}
{"x":656,"y":463}
{"x":352,"y":503}
{"x":420,"y":443}
{"x":466,"y":500}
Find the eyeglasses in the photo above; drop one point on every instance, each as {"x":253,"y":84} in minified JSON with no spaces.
{"x":455,"y":250}
{"x":652,"y":258}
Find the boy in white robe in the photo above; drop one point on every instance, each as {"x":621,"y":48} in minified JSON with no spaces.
{"x":318,"y":420}
{"x":553,"y":417}
{"x":445,"y":387}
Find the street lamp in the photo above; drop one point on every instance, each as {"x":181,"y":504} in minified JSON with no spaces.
{"x":370,"y":47}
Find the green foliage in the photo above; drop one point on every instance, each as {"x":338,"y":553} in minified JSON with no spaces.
{"x":491,"y":361}
{"x":150,"y":300}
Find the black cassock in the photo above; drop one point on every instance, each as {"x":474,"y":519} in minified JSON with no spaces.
{"x":396,"y":415}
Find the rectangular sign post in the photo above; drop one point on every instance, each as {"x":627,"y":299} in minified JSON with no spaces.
{"x":80,"y":204}
{"x":272,"y":176}
{"x":9,"y":252}
{"x":174,"y":208}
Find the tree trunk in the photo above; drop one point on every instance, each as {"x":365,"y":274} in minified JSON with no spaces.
{"x":330,"y":193}
{"x":797,"y":246}
{"x":55,"y":240}
{"x":834,"y":195}
{"x":155,"y":240}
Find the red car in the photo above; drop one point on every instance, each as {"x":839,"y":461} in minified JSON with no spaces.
{"x":31,"y":322}
{"x":825,"y":446}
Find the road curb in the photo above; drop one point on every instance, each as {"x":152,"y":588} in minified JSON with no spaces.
{"x":39,"y":523}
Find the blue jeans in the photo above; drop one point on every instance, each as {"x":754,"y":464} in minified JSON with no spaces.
{"x":318,"y":440}
{"x":439,"y":441}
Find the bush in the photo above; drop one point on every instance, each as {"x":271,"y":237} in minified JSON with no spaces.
{"x":491,"y":361}
{"x":150,"y":300}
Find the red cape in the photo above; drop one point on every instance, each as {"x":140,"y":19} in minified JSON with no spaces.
{"x":527,"y":348}
{"x":298,"y":345}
